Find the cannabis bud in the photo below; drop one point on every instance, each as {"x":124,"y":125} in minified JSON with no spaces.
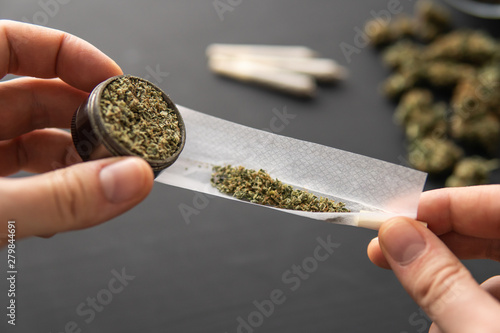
{"x":428,"y":58}
{"x":473,"y":170}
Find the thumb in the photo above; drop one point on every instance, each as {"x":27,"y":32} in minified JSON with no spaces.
{"x":492,"y":286}
{"x":436,"y":279}
{"x":73,"y":198}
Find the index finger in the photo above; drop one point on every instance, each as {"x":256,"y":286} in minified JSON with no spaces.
{"x":31,"y":50}
{"x":471,"y":211}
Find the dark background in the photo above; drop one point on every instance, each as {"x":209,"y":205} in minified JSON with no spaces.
{"x":203,"y":275}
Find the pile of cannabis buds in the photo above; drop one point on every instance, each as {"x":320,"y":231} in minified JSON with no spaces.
{"x":426,"y":54}
{"x":260,"y":188}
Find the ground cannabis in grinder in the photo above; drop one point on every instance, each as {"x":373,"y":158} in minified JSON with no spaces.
{"x":258,"y":187}
{"x":136,"y":115}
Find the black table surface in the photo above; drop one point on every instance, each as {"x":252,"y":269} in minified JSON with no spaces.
{"x":218,"y":271}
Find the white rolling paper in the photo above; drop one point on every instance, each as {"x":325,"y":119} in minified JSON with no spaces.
{"x":362,"y":183}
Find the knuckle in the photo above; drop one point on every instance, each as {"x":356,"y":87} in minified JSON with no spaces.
{"x":70,"y":199}
{"x":440,"y":287}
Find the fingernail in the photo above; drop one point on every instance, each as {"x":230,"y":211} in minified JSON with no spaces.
{"x":402,"y":241}
{"x":119,"y":180}
{"x":374,"y":241}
